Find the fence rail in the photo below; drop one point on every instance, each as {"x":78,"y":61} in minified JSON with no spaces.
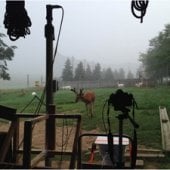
{"x":103,"y":84}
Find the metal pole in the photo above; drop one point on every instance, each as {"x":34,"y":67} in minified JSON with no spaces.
{"x":50,"y":123}
{"x":49,"y":34}
{"x":120,"y":163}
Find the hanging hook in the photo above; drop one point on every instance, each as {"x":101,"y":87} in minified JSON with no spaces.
{"x":140,"y":6}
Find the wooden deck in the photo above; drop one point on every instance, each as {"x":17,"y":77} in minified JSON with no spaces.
{"x":165,"y":128}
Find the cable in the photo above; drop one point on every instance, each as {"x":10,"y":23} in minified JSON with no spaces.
{"x":28,"y":104}
{"x":65,"y":141}
{"x":58,"y":37}
{"x":103,"y":115}
{"x":43,"y":94}
{"x":16,"y":20}
{"x":110,"y":136}
{"x":139,"y":5}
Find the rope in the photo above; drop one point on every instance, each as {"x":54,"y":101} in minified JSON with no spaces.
{"x":16,"y":20}
{"x":139,"y":5}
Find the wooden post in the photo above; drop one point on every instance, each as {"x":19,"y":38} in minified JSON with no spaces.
{"x":16,"y":142}
{"x":27,"y":145}
{"x":50,"y":129}
{"x":74,"y":150}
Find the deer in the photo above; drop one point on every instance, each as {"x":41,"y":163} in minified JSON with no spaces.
{"x":88,"y":98}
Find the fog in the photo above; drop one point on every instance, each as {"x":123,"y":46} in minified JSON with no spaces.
{"x":103,"y":31}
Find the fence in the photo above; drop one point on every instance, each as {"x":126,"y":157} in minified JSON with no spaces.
{"x":104,"y":84}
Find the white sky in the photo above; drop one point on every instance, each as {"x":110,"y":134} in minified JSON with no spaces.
{"x":103,"y":31}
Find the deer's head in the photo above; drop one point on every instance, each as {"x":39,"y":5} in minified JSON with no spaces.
{"x":78,"y":95}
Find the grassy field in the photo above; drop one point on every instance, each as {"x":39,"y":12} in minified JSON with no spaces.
{"x":147,"y":114}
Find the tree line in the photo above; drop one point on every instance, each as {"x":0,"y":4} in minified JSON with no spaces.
{"x":6,"y":54}
{"x":86,"y":73}
{"x":156,"y":60}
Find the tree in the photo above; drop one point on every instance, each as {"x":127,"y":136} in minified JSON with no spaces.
{"x":6,"y":54}
{"x":156,"y":60}
{"x":108,"y":74}
{"x":121,"y":74}
{"x":88,"y":73}
{"x":79,"y":72}
{"x":130,"y":75}
{"x":97,"y":72}
{"x":67,"y":74}
{"x":116,"y":74}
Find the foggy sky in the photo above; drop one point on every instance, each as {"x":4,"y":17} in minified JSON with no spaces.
{"x":103,"y":31}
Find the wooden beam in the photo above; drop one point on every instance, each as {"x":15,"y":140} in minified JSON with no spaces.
{"x":7,"y":141}
{"x":75,"y":147}
{"x":165,"y":128}
{"x":41,"y":156}
{"x":7,"y":113}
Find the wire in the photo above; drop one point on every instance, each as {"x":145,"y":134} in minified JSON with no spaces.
{"x":28,"y":104}
{"x":41,"y":102}
{"x":58,"y":37}
{"x":106,"y":101}
{"x":65,"y":141}
{"x":43,"y":94}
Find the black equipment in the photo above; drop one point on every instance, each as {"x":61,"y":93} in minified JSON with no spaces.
{"x":122,"y":101}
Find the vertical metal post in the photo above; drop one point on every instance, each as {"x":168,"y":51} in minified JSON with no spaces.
{"x":49,"y":34}
{"x":120,"y":163}
{"x":50,"y":123}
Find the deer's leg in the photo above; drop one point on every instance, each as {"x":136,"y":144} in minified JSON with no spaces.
{"x":92,"y":109}
{"x":87,"y":109}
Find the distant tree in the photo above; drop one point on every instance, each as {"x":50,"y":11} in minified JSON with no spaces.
{"x":140,"y":73}
{"x":97,"y":72}
{"x":67,"y":74}
{"x":130,"y":75}
{"x":116,"y":74}
{"x":121,"y":74}
{"x":6,"y":54}
{"x":156,"y":60}
{"x":88,"y":73}
{"x":79,"y":72}
{"x":108,"y":74}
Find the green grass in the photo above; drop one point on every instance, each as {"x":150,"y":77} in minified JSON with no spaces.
{"x":147,"y":114}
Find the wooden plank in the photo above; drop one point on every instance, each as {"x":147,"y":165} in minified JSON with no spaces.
{"x":6,"y":144}
{"x":139,"y":164}
{"x":165,"y":128}
{"x":7,"y":113}
{"x":38,"y":158}
{"x":74,"y":150}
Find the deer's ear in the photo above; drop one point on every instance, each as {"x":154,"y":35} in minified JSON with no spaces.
{"x":73,"y":90}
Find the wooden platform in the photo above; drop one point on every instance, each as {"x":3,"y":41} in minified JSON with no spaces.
{"x":165,"y":128}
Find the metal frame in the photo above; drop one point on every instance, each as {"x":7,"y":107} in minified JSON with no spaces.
{"x":81,"y":165}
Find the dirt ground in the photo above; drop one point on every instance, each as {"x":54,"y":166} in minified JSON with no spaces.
{"x":63,"y":134}
{"x":64,"y":138}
